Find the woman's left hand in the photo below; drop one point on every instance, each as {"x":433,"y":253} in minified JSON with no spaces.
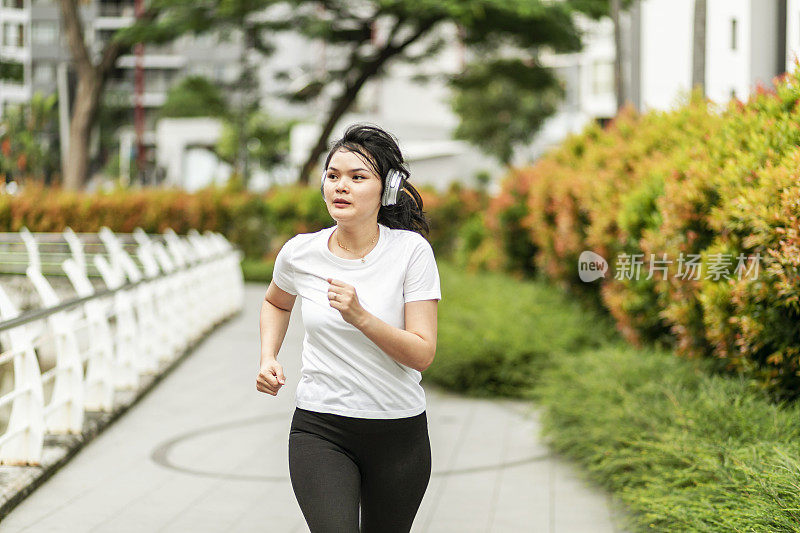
{"x":343,"y":297}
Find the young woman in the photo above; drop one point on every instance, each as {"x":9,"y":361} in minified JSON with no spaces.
{"x":359,"y":452}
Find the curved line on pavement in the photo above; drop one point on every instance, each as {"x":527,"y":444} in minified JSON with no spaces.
{"x":160,"y":455}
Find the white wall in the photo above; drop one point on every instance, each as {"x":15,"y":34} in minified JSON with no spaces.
{"x":728,"y":70}
{"x":763,"y":42}
{"x":792,"y":33}
{"x":596,"y":91}
{"x":173,"y":135}
{"x":666,"y":56}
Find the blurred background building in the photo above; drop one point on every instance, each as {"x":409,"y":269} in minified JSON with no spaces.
{"x":744,"y":43}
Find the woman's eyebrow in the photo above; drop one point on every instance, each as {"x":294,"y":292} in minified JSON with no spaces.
{"x":353,"y":170}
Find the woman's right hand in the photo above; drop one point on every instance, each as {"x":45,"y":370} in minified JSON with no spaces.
{"x":270,"y":378}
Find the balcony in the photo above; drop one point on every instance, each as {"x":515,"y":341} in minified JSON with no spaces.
{"x":15,"y":53}
{"x":15,"y":92}
{"x":125,"y":98}
{"x":12,"y":4}
{"x":109,"y":9}
{"x":151,"y":60}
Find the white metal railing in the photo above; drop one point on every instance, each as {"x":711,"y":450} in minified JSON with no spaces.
{"x":140,"y":301}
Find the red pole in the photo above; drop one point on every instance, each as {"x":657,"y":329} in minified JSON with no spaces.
{"x":138,"y":115}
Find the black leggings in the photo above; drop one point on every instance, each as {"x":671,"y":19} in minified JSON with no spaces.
{"x":338,"y":462}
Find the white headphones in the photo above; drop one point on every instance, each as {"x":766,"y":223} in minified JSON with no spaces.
{"x":394,"y":184}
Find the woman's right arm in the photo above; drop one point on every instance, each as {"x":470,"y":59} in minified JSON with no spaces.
{"x":276,"y":309}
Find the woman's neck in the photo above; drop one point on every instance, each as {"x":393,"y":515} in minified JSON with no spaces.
{"x":357,"y":239}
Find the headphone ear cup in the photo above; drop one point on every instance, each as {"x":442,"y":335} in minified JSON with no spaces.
{"x":394,"y":184}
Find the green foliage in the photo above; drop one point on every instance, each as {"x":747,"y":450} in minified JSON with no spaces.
{"x":12,"y":71}
{"x":496,"y":334}
{"x":718,"y":184}
{"x":491,"y":28}
{"x":266,"y":139}
{"x":684,"y":449}
{"x":502,"y":104}
{"x":257,"y":270}
{"x":448,"y":212}
{"x":29,"y":149}
{"x":194,"y":96}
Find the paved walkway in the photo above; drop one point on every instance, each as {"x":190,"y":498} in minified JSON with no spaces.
{"x":205,"y":452}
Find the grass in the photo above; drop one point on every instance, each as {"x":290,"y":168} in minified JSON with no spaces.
{"x":257,"y":271}
{"x":496,"y":335}
{"x":684,"y":449}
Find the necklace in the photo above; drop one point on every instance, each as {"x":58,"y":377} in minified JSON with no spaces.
{"x":352,"y":252}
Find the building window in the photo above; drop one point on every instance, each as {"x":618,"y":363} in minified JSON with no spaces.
{"x":44,"y":32}
{"x":13,"y":34}
{"x":102,"y":37}
{"x":733,"y":34}
{"x":16,"y":4}
{"x":568,"y":78}
{"x":602,"y":78}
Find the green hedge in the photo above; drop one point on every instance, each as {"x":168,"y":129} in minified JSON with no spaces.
{"x":701,"y":180}
{"x":258,"y":224}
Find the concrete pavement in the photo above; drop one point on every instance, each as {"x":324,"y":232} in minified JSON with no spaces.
{"x":205,"y":452}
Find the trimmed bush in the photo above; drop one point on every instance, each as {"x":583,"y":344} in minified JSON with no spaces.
{"x":715,"y":184}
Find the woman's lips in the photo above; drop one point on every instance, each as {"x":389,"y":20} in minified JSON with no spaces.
{"x":341,"y":204}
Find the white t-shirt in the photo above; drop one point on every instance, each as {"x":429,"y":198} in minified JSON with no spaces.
{"x":344,"y":372}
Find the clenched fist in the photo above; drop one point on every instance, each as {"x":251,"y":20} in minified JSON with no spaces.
{"x":343,"y":297}
{"x":270,"y":378}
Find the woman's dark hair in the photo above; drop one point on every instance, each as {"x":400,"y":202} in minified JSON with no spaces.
{"x":379,"y":148}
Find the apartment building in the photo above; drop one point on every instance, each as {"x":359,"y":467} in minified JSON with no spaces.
{"x":33,"y":38}
{"x":748,"y":42}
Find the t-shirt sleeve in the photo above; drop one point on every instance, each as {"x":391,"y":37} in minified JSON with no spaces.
{"x":422,"y":276}
{"x":283,"y":272}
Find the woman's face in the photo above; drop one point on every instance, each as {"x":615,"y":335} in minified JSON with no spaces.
{"x":350,"y":178}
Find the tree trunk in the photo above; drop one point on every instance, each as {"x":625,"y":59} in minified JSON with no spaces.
{"x":85,"y":106}
{"x":88,"y":94}
{"x":699,"y":46}
{"x":340,"y":106}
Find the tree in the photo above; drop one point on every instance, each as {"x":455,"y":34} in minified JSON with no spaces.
{"x":162,"y":21}
{"x":503,"y":103}
{"x":91,"y":76}
{"x":194,"y":96}
{"x":488,"y":25}
{"x":265,"y":140}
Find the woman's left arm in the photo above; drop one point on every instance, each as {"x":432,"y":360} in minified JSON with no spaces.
{"x":414,"y":346}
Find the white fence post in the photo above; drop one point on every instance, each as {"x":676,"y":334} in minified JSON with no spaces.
{"x":179,"y":292}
